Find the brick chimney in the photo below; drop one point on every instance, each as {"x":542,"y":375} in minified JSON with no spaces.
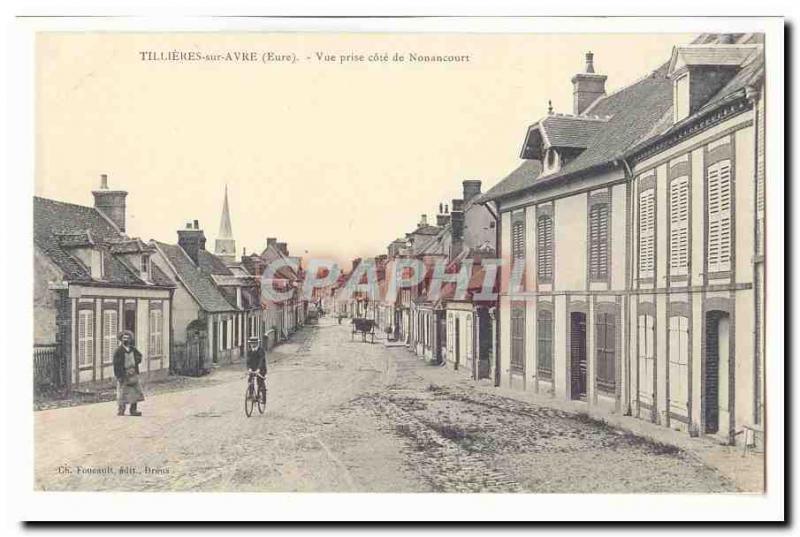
{"x":587,"y":87}
{"x":283,"y":248}
{"x":110,"y":202}
{"x":472,"y":189}
{"x":192,"y":240}
{"x":457,"y":227}
{"x":443,"y":218}
{"x":272,"y":241}
{"x":423,"y":221}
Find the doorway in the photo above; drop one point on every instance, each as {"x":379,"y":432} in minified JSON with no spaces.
{"x":715,"y":391}
{"x":578,"y":355}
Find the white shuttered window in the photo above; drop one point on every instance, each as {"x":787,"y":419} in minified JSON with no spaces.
{"x":156,"y":347}
{"x":679,"y":226}
{"x":110,"y":325}
{"x":646,"y":358}
{"x":647,"y":233}
{"x":85,"y":337}
{"x":718,"y":182}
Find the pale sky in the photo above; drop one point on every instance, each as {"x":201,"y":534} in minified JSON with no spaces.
{"x":336,"y":160}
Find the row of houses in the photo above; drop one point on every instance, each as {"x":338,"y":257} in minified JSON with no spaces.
{"x":445,"y":327}
{"x":188,"y":308}
{"x":631,"y":238}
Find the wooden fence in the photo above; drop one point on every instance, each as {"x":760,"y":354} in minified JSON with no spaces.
{"x":49,"y":371}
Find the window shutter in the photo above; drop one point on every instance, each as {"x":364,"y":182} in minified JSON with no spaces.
{"x":518,"y":240}
{"x":109,"y":334}
{"x":85,"y":337}
{"x":544,"y":334}
{"x":647,"y":233}
{"x":679,"y":225}
{"x":598,"y":241}
{"x":605,"y":350}
{"x":518,"y":337}
{"x":544,"y":259}
{"x":82,"y":338}
{"x":719,"y":216}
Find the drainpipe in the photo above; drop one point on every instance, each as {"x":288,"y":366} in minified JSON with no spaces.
{"x":496,"y":216}
{"x":626,"y":405}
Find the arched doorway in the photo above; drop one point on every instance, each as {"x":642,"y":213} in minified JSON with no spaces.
{"x":716,"y":371}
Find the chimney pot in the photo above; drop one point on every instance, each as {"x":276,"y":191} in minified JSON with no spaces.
{"x":196,"y":224}
{"x":587,"y":87}
{"x":589,"y":62}
{"x":103,"y":181}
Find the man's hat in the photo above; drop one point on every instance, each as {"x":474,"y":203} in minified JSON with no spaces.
{"x":253,"y":339}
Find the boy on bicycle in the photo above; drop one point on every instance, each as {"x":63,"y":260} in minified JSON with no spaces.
{"x":257,"y":360}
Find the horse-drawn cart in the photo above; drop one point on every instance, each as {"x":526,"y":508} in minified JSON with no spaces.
{"x":364,"y":327}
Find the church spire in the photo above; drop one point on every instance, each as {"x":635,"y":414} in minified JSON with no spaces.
{"x":225,"y":245}
{"x":225,"y":231}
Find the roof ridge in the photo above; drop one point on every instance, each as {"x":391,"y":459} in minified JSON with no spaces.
{"x":639,"y":80}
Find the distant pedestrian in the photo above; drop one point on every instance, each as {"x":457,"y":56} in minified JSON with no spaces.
{"x":126,"y":370}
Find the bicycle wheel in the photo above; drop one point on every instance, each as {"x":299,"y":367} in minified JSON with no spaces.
{"x":262,"y":399}
{"x":249,"y":401}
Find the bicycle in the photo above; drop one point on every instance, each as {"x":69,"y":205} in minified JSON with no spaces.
{"x":256,"y":393}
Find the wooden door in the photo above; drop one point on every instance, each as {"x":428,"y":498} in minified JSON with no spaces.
{"x":714,"y":347}
{"x":578,"y":355}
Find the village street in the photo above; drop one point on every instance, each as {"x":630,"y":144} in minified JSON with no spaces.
{"x":354,"y":417}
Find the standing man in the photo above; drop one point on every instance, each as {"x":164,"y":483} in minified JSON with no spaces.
{"x":126,"y":369}
{"x":257,"y":360}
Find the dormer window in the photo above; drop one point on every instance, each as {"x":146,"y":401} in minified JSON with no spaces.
{"x":681,"y":98}
{"x":145,"y":267}
{"x":97,"y":263}
{"x":552,"y":161}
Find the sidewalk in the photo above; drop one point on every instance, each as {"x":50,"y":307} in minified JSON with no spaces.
{"x":171,"y":383}
{"x":746,"y":471}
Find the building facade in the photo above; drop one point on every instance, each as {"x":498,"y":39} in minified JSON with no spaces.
{"x":92,"y":281}
{"x":635,"y":228}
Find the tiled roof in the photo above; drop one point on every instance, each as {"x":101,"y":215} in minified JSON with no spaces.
{"x":211,"y":264}
{"x":521,"y":178}
{"x":561,"y":130}
{"x":285,"y":271}
{"x":751,"y":74}
{"x":633,"y":110}
{"x":59,"y":226}
{"x":435,"y":245}
{"x":711,"y":54}
{"x":199,"y":284}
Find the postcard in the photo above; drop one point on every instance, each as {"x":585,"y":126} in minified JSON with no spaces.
{"x":445,"y":261}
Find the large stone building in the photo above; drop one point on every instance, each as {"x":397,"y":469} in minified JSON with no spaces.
{"x":638,"y":222}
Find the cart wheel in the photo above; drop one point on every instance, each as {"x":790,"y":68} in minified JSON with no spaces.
{"x":249,"y":401}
